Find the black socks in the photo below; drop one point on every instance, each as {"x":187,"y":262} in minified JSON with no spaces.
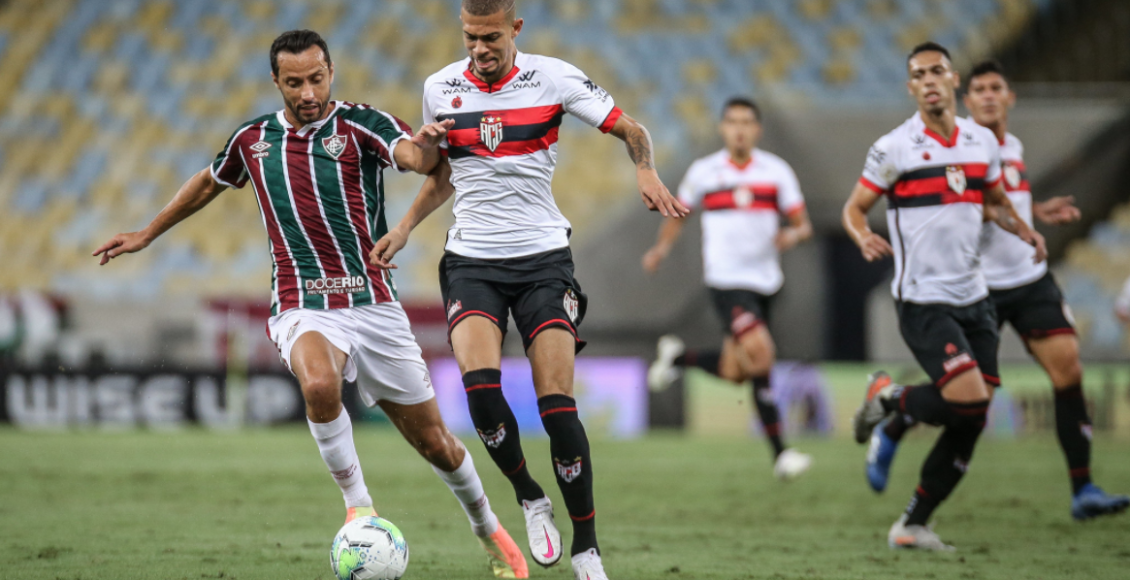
{"x":498,"y":429}
{"x":768,"y":412}
{"x":948,"y":461}
{"x":705,"y":360}
{"x":572,"y":465}
{"x":1073,"y":427}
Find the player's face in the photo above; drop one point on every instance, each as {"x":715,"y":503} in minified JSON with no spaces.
{"x":304,"y":80}
{"x":490,"y":42}
{"x":933,"y":81}
{"x":989,"y":99}
{"x":740,"y":129}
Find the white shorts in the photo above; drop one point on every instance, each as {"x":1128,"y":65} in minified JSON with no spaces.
{"x":383,"y":357}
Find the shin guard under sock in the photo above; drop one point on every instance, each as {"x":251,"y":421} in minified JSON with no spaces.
{"x":768,"y":413}
{"x":923,"y":403}
{"x":947,"y":461}
{"x":498,"y":429}
{"x":1073,"y":427}
{"x":572,"y":464}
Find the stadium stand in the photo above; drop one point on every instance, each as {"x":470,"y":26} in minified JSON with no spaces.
{"x":110,"y":105}
{"x":1093,"y":274}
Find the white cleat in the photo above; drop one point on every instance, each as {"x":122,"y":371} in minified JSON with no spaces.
{"x":587,"y":566}
{"x":545,"y":540}
{"x":904,"y":537}
{"x":662,"y":372}
{"x":791,"y":463}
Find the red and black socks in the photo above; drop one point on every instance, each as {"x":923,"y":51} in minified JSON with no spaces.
{"x":948,"y":460}
{"x":572,"y":464}
{"x":923,"y":403}
{"x":498,"y":429}
{"x":706,"y":360}
{"x":1073,"y":427}
{"x":768,"y":413}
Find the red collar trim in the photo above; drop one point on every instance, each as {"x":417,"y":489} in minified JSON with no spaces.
{"x":491,"y":87}
{"x":952,"y":141}
{"x":743,"y":166}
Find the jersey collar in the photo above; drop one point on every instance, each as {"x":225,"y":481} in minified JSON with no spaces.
{"x":309,"y":127}
{"x":495,"y":86}
{"x":743,"y":166}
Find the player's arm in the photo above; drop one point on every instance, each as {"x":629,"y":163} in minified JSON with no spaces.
{"x":197,"y":192}
{"x":998,"y":208}
{"x":871,"y":244}
{"x":1057,"y":210}
{"x":435,"y":192}
{"x":798,"y":230}
{"x":668,"y":234}
{"x":654,"y":193}
{"x":421,"y":152}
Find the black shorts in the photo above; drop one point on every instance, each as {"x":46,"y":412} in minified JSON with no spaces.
{"x":949,"y":340}
{"x":538,"y":289}
{"x":1035,"y":310}
{"x":740,"y":310}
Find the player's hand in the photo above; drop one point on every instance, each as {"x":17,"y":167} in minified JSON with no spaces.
{"x":653,"y":258}
{"x":874,"y":247}
{"x":1057,"y":210}
{"x":1036,"y":241}
{"x":432,"y":134}
{"x":786,"y":239}
{"x":656,"y":197}
{"x":122,"y":244}
{"x":386,"y":248}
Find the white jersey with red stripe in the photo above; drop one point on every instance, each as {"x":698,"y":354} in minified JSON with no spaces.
{"x":741,"y":208}
{"x":503,"y":150}
{"x":934,"y":190}
{"x":1008,"y":261}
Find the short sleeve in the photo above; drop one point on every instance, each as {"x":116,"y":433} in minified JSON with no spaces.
{"x":585,"y":99}
{"x":993,"y":173}
{"x":228,"y":169}
{"x":789,"y":197}
{"x":380,"y":132}
{"x":690,"y":194}
{"x":880,"y":170}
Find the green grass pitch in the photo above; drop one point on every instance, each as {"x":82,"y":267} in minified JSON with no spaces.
{"x":259,"y":504}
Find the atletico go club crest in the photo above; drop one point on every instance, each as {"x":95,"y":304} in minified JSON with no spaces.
{"x":490,"y":132}
{"x":566,"y":470}
{"x":1012,"y":175}
{"x":571,"y":305}
{"x":955,"y":177}
{"x":334,"y":145}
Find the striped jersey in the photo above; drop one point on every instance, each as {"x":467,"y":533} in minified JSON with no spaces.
{"x":741,"y":212}
{"x":321,"y":196}
{"x":503,"y":151}
{"x":1008,"y":261}
{"x":934,"y":189}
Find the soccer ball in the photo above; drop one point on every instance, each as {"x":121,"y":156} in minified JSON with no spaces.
{"x":369,"y":548}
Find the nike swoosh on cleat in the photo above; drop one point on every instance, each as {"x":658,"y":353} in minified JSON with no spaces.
{"x":550,"y":553}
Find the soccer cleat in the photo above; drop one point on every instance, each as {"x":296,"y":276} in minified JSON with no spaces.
{"x":915,"y":537}
{"x":791,"y":463}
{"x":880,"y":454}
{"x":871,"y":412}
{"x":545,"y":540}
{"x":359,"y":511}
{"x":662,"y":372}
{"x":1092,"y":501}
{"x":587,"y":566}
{"x":506,"y":559}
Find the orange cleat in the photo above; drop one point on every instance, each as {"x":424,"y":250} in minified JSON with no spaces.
{"x":360,"y":511}
{"x":506,"y":560}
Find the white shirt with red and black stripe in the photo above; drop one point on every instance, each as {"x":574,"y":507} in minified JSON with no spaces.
{"x":503,"y":151}
{"x":1008,"y":261}
{"x":934,"y":189}
{"x":321,"y":195}
{"x":741,"y":213}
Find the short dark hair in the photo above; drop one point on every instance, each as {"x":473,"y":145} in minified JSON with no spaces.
{"x":488,"y":7}
{"x":742,"y":102}
{"x":929,"y":46}
{"x":989,"y":66}
{"x":296,"y":42}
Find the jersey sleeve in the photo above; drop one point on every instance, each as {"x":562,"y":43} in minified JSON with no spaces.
{"x":880,"y":170}
{"x":380,"y":132}
{"x":993,"y":173}
{"x":690,"y":193}
{"x":789,"y":198}
{"x":585,"y":99}
{"x":228,"y":169}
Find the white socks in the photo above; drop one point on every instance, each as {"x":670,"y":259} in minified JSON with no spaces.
{"x":335,"y":443}
{"x":468,"y":489}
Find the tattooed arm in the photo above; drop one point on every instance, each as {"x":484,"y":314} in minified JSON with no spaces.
{"x":654,"y":193}
{"x":999,"y":209}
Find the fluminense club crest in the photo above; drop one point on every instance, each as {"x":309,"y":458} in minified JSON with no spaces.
{"x":955,"y":177}
{"x":490,"y":131}
{"x":334,"y":145}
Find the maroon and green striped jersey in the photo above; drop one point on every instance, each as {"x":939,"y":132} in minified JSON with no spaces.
{"x":322,"y":199}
